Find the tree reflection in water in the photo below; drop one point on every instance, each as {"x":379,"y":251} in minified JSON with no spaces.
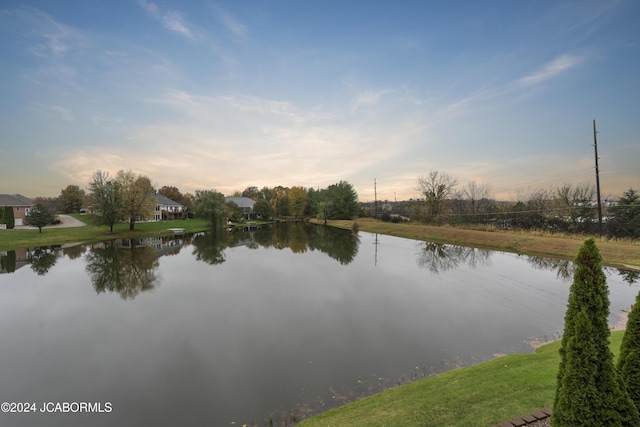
{"x":338,"y":244}
{"x":43,"y":259}
{"x":209,"y":247}
{"x":126,"y":271}
{"x":564,"y":268}
{"x":440,"y":257}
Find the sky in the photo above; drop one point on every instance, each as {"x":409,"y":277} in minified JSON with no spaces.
{"x":225,"y":95}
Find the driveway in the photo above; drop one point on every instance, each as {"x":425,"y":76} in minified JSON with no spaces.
{"x":66,"y":221}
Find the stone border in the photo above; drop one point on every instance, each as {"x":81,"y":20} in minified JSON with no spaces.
{"x":526,"y":420}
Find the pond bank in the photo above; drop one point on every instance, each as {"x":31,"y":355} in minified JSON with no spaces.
{"x":620,"y":254}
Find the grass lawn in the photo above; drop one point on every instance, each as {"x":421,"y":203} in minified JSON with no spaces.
{"x":480,"y":395}
{"x":20,"y":238}
{"x":615,"y":253}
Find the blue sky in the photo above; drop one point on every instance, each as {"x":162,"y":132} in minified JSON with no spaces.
{"x":224,"y":95}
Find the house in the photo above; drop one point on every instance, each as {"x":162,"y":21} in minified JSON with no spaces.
{"x":21,"y":206}
{"x":167,"y":209}
{"x":245,"y":205}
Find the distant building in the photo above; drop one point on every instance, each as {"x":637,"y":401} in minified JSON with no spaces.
{"x":167,"y":209}
{"x":21,"y":206}
{"x":245,"y":205}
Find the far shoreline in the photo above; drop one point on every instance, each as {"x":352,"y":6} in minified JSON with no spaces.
{"x":615,"y":253}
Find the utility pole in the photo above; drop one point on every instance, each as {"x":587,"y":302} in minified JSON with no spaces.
{"x":595,"y":146}
{"x":375,"y":199}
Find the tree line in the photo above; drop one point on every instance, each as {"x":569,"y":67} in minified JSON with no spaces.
{"x":130,"y":197}
{"x":568,"y":207}
{"x":337,"y":201}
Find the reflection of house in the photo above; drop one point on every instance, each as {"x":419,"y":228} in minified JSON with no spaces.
{"x":12,"y":260}
{"x":20,"y":204}
{"x":167,"y":209}
{"x":163,"y":245}
{"x":245,"y":205}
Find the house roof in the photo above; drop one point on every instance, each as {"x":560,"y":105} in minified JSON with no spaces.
{"x":165,"y":201}
{"x":242,"y":202}
{"x":15,"y":200}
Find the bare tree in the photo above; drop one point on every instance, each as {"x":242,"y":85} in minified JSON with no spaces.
{"x":575,"y":202}
{"x":476,"y":194}
{"x":436,"y":187}
{"x":107,"y":197}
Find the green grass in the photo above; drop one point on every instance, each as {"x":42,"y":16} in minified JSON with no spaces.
{"x":20,"y":238}
{"x":480,"y":395}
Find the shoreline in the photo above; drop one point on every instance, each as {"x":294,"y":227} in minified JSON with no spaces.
{"x":619,"y":254}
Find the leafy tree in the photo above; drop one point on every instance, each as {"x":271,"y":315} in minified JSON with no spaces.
{"x":341,"y":201}
{"x":436,"y":188}
{"x":51,"y":203}
{"x":210,"y":205}
{"x":280,"y":201}
{"x":8,"y":218}
{"x":267,"y":194}
{"x":173,"y":193}
{"x":107,"y":198}
{"x":298,"y":201}
{"x":235,"y":212}
{"x":624,"y":217}
{"x":251,"y":192}
{"x":323,"y":211}
{"x":40,"y":216}
{"x":586,"y":362}
{"x":263,"y":208}
{"x":137,"y":197}
{"x":629,"y":359}
{"x":71,"y":199}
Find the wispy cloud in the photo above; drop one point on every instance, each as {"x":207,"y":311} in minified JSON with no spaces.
{"x":55,"y":111}
{"x":63,"y":113}
{"x":234,"y":26}
{"x":561,"y":64}
{"x":367,"y":98}
{"x":49,"y":37}
{"x":171,"y":20}
{"x":150,"y":7}
{"x":175,"y":22}
{"x":515,"y":91}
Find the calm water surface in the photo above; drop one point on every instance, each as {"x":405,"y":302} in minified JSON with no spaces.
{"x":274,"y":323}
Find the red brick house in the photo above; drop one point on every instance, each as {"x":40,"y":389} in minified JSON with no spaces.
{"x":21,"y":206}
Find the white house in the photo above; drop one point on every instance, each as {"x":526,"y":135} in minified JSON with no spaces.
{"x":167,"y":209}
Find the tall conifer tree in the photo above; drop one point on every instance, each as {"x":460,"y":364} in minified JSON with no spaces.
{"x":629,"y":359}
{"x":589,"y":364}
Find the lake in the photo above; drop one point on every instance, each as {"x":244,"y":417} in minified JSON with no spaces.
{"x":270,"y":324}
